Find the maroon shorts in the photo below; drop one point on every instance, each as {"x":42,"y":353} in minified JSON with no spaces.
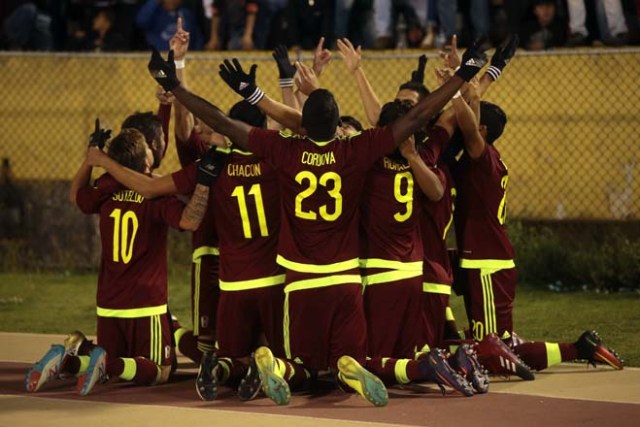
{"x":325,"y":323}
{"x":205,"y":293}
{"x":490,"y":297}
{"x":434,"y":318}
{"x":393,"y":312}
{"x":147,"y":337}
{"x":245,"y":315}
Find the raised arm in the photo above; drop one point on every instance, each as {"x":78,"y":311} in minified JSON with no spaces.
{"x":427,"y":180}
{"x":473,"y":141}
{"x":165,"y":73}
{"x":499,"y":61}
{"x":352,"y":60}
{"x":179,"y":43}
{"x":82,"y":178}
{"x":472,"y":61}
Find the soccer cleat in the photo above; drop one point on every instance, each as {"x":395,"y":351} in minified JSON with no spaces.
{"x":273,"y":385}
{"x":434,"y":367}
{"x":207,"y":379}
{"x":95,"y":373}
{"x":73,"y":342}
{"x":46,"y":369}
{"x":499,"y":359}
{"x":592,"y":349}
{"x":250,"y":385}
{"x":465,"y":361}
{"x":351,"y":373}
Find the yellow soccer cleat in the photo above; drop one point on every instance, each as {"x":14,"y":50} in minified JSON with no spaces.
{"x":364,"y":382}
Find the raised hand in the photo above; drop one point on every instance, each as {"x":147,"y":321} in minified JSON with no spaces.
{"x":350,"y":55}
{"x":165,"y":98}
{"x":179,"y":43}
{"x":210,"y":165}
{"x":307,"y":80}
{"x":99,"y":136}
{"x":451,"y":57}
{"x":417,"y":75}
{"x":163,"y":71}
{"x":503,"y":55}
{"x":321,"y":57}
{"x":244,"y":84}
{"x":286,"y":69}
{"x":473,"y":60}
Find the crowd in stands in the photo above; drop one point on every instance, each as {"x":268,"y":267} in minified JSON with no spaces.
{"x":134,"y":25}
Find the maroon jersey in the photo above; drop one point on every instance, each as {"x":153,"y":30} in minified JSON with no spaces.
{"x":481,"y":209}
{"x":247,"y":205}
{"x":205,"y":238}
{"x":389,"y":215}
{"x":321,"y":184}
{"x":133,"y":233}
{"x":437,"y":217}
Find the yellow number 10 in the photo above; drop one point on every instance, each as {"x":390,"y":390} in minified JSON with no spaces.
{"x":122,"y":243}
{"x":256,"y":192}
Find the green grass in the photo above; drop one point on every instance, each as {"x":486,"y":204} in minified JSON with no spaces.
{"x":56,"y":303}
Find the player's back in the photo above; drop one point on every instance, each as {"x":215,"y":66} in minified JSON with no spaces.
{"x":133,"y":233}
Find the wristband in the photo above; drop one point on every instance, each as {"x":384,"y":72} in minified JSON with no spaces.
{"x":179,"y":64}
{"x":255,"y":97}
{"x":286,"y":83}
{"x":494,"y":72}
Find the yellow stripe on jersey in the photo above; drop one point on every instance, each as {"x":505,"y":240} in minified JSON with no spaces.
{"x":131,"y":313}
{"x":494,"y":264}
{"x":389,"y":276}
{"x":394,"y":265}
{"x":243,"y":285}
{"x":436,"y":288}
{"x":203,"y":251}
{"x":323,"y":282}
{"x":317,"y":269}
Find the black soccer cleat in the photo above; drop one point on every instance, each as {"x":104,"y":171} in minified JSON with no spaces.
{"x":592,"y":349}
{"x":207,"y":379}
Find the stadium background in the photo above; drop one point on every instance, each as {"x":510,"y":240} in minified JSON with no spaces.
{"x":572,"y":146}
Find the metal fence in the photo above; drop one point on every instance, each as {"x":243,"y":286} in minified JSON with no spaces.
{"x":572,"y":143}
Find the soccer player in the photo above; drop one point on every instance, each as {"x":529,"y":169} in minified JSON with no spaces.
{"x":320,"y":178}
{"x":134,"y":341}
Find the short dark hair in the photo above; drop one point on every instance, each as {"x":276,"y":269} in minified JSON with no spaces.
{"x":321,"y":115}
{"x":420,"y":88}
{"x":147,"y":123}
{"x":392,"y":111}
{"x":494,"y":118}
{"x":351,"y":121}
{"x":249,"y":114}
{"x":129,"y":148}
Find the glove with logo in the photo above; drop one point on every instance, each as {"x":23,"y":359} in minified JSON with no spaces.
{"x":417,"y":75}
{"x":163,"y":71}
{"x":472,"y":61}
{"x":99,"y":136}
{"x":210,"y":165}
{"x":242,"y":83}
{"x":286,"y":69}
{"x":502,"y":56}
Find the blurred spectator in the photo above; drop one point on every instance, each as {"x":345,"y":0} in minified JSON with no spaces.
{"x":28,"y":27}
{"x":396,"y":24}
{"x":308,"y":20}
{"x":545,"y":30}
{"x":611,"y":24}
{"x":354,"y":20}
{"x":158,"y":20}
{"x":232,"y":25}
{"x":268,"y":29}
{"x":103,"y":35}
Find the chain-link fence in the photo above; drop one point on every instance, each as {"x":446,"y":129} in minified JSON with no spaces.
{"x":572,"y":142}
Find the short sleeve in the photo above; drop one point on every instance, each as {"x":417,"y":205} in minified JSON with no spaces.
{"x":89,"y":199}
{"x":267,"y":144}
{"x":185,"y":179}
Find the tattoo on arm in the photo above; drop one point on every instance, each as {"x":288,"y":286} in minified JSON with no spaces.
{"x":197,"y":206}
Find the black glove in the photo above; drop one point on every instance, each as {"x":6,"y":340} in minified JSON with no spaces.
{"x":99,"y":136}
{"x":210,"y":165}
{"x":163,"y":71}
{"x":242,"y":83}
{"x":502,"y":56}
{"x":417,"y":76}
{"x":472,"y":61}
{"x":286,"y":69}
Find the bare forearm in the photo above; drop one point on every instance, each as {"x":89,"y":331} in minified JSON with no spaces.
{"x":427,"y":180}
{"x":485,"y":82}
{"x":210,"y":114}
{"x":283,"y":114}
{"x":370,"y":101}
{"x":249,"y":25}
{"x":81,"y":179}
{"x":419,"y":115}
{"x":289,"y":98}
{"x":473,"y":141}
{"x":196,"y":208}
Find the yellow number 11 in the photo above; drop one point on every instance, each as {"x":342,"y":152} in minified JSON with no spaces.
{"x":256,"y":192}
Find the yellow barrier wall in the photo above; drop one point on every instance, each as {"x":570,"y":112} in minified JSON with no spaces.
{"x":572,"y":143}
